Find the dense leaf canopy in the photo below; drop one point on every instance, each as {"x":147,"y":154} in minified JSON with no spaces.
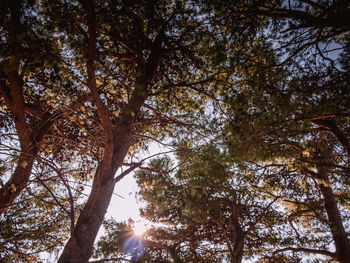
{"x":250,"y":98}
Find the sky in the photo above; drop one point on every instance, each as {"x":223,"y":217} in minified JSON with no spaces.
{"x":124,"y":204}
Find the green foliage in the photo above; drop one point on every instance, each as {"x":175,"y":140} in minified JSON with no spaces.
{"x":213,"y":202}
{"x":32,"y":225}
{"x":255,"y":98}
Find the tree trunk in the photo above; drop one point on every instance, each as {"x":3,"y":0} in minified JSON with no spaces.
{"x":117,"y":141}
{"x":236,"y":259}
{"x":13,"y":95}
{"x":79,"y":246}
{"x":18,"y":181}
{"x":238,"y":236}
{"x":336,"y":226}
{"x":238,"y":254}
{"x":335,"y":223}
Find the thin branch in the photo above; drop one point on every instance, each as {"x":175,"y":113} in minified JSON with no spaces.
{"x":306,"y":250}
{"x":137,"y":165}
{"x":253,"y":224}
{"x":127,"y":171}
{"x":101,"y":107}
{"x":314,"y":4}
{"x":109,"y":260}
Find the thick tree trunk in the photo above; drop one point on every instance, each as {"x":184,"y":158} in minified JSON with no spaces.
{"x":236,"y":259}
{"x":18,"y":181}
{"x":13,"y":95}
{"x":117,"y":141}
{"x":341,"y":241}
{"x":79,"y":246}
{"x":336,"y":226}
{"x":237,"y":255}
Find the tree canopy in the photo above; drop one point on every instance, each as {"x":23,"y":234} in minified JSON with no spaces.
{"x":247,"y":99}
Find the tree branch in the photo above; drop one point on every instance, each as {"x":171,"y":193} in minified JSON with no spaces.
{"x":109,"y":260}
{"x":306,"y":250}
{"x":101,"y":108}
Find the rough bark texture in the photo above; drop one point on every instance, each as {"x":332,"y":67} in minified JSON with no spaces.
{"x":335,"y":222}
{"x":18,"y":181}
{"x":237,"y":253}
{"x":341,"y":241}
{"x":79,"y":246}
{"x":117,"y":143}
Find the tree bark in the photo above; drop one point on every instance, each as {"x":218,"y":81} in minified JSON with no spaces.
{"x":331,"y":125}
{"x":13,"y":96}
{"x":79,"y":246}
{"x":238,"y":236}
{"x":237,"y":258}
{"x":18,"y":181}
{"x":335,"y":223}
{"x":237,"y":255}
{"x":29,"y":138}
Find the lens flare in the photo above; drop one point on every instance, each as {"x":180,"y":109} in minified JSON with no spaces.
{"x":135,"y":247}
{"x":139,"y":228}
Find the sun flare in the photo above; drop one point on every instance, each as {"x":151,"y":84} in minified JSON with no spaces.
{"x":139,"y":228}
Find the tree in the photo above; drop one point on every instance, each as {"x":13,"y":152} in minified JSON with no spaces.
{"x":134,"y":64}
{"x":87,"y":84}
{"x":36,"y":94}
{"x":11,"y":91}
{"x":299,"y":123}
{"x":135,"y":79}
{"x":301,"y":28}
{"x":208,"y":209}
